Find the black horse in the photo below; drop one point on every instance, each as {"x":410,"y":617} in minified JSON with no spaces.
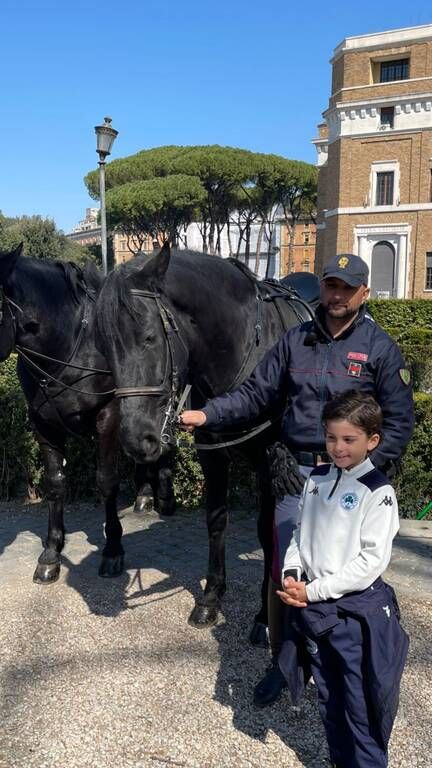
{"x":199,"y":319}
{"x":46,"y":316}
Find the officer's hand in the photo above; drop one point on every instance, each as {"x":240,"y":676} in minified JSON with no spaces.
{"x":188,"y":420}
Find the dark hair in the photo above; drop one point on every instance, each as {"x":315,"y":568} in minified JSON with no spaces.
{"x":359,"y":408}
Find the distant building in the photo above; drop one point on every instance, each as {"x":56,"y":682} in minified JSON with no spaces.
{"x":375,"y":160}
{"x":302,"y":251}
{"x":87,"y":231}
{"x":272,"y":261}
{"x":125,"y":249}
{"x":302,"y":258}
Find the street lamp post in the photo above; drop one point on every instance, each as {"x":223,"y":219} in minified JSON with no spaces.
{"x":105,"y":136}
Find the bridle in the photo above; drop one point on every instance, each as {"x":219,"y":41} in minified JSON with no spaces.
{"x":26,"y":354}
{"x":171,"y":380}
{"x":171,"y":388}
{"x":5,"y":300}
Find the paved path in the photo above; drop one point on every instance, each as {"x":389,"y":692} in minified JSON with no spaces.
{"x":107,"y":673}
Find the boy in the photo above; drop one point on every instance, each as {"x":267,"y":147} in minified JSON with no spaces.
{"x":348,"y":615}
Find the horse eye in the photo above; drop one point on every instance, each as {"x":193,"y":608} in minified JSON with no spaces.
{"x":31,"y":327}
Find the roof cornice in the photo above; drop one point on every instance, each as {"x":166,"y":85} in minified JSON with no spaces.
{"x":378,"y":40}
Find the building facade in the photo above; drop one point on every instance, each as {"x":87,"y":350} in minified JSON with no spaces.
{"x":275,"y":261}
{"x":375,"y":159}
{"x":302,"y":256}
{"x":87,"y":231}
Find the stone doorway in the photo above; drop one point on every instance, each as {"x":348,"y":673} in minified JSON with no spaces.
{"x":382,"y":279}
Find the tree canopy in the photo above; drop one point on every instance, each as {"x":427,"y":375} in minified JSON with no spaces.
{"x":216,"y":186}
{"x":41,"y":239}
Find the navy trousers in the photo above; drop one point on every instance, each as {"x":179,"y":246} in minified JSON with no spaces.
{"x":337,"y":668}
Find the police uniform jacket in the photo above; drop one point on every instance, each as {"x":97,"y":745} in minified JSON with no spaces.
{"x":307,"y":367}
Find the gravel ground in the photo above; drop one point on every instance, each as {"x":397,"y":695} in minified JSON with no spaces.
{"x":107,"y":673}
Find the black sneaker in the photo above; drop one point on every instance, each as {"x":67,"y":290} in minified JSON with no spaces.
{"x":268,"y":690}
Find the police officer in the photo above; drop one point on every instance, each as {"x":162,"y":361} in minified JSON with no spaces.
{"x":342,"y":348}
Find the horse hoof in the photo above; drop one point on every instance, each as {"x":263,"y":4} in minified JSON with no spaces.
{"x":111,"y":567}
{"x":143,"y":504}
{"x":46,"y":573}
{"x":204,"y":616}
{"x":259,"y":635}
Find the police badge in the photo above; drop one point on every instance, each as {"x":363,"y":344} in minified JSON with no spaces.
{"x":405,"y":375}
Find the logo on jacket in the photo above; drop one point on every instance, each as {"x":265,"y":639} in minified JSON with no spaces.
{"x":343,"y":262}
{"x":349,"y":501}
{"x":362,"y":356}
{"x":387,"y":501}
{"x":314,"y":490}
{"x":354,"y":369}
{"x":386,"y":610}
{"x":311,"y":646}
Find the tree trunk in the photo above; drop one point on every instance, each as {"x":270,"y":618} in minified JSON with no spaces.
{"x":230,"y":250}
{"x":258,"y":248}
{"x":247,"y":245}
{"x":291,"y":231}
{"x":211,"y":236}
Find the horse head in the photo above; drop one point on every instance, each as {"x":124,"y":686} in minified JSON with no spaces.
{"x":137,"y":332}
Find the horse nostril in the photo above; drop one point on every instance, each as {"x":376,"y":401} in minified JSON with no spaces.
{"x":149,"y":443}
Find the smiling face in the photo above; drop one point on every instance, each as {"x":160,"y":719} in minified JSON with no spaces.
{"x":340,"y":300}
{"x":347,"y":444}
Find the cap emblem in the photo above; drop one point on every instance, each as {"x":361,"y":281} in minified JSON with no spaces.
{"x":343,"y":262}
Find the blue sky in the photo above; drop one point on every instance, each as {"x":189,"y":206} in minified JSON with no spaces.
{"x":233,"y":72}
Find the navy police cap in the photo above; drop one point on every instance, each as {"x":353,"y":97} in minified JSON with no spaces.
{"x":349,"y":268}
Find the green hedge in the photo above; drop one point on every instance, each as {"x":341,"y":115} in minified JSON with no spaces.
{"x":401,"y":313}
{"x":21,"y":471}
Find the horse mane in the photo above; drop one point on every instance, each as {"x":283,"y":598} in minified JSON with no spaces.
{"x":115,"y":295}
{"x":77,"y":280}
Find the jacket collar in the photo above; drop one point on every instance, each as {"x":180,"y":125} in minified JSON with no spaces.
{"x":321,"y":329}
{"x":358,"y":471}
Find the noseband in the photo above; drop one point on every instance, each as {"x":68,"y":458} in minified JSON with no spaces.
{"x":171,"y":380}
{"x":9,"y":304}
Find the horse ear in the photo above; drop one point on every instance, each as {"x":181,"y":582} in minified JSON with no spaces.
{"x":8,"y":261}
{"x":153,"y":272}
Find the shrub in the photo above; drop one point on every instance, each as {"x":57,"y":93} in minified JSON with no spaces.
{"x":20,"y":460}
{"x":414,"y":484}
{"x":409,"y":323}
{"x":401,"y":313}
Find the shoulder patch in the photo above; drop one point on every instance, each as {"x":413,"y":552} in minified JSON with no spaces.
{"x":373,"y":479}
{"x":405,"y":375}
{"x":322,"y":469}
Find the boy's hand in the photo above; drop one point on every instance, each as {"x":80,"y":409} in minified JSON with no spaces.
{"x":188,"y":420}
{"x":294,"y":593}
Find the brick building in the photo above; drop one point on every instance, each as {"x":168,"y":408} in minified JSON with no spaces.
{"x":375,"y":159}
{"x":302,"y":257}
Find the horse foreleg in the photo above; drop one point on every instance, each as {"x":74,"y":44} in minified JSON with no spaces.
{"x":259,"y":634}
{"x":206,"y":610}
{"x":143,"y":478}
{"x":107,"y":481}
{"x":163,"y":485}
{"x":154,"y":485}
{"x":48,"y":566}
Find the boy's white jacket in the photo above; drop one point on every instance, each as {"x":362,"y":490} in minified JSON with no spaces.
{"x":347,"y":522}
